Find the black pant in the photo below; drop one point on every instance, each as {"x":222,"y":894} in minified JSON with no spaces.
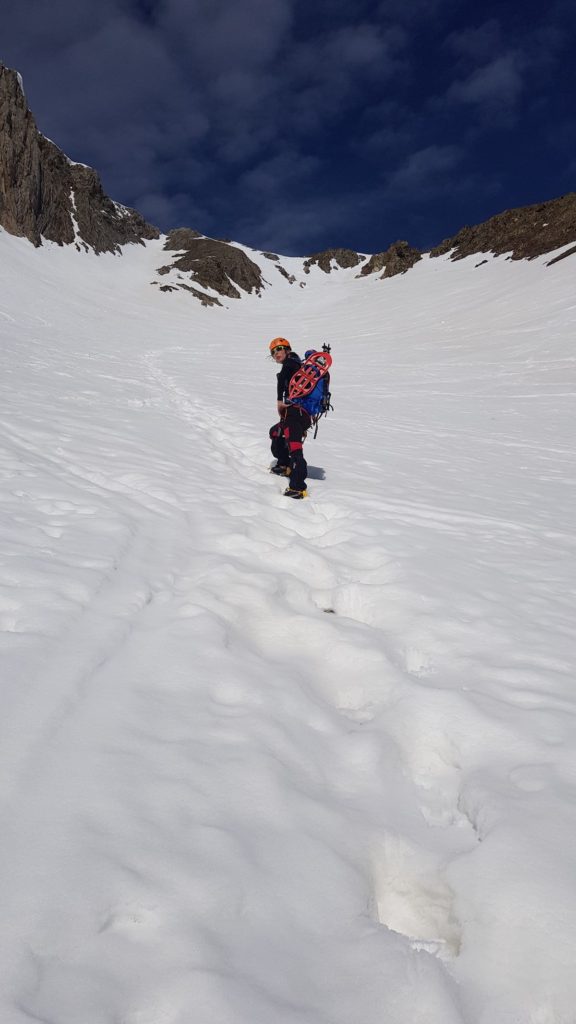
{"x":287,"y":440}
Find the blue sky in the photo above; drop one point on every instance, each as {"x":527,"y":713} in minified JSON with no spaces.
{"x":294,"y":125}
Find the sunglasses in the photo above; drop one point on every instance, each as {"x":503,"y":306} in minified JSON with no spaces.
{"x":281,"y":348}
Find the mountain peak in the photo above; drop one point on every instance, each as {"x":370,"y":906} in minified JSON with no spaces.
{"x":44,"y":195}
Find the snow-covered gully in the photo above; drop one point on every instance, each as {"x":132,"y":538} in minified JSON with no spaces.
{"x":266,"y":763}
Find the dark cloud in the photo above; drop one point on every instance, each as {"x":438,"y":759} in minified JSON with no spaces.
{"x":249,"y":117}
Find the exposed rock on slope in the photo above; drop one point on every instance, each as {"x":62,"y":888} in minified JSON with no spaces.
{"x":342,"y":257}
{"x":181,"y":238}
{"x":45,"y":195}
{"x":205,"y":300}
{"x":562,"y":256}
{"x":524,"y":233}
{"x":399,"y":258}
{"x":211,"y":264}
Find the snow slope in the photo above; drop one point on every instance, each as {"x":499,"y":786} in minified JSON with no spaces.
{"x":271,"y":762}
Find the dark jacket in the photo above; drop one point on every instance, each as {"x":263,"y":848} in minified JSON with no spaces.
{"x":289,"y":367}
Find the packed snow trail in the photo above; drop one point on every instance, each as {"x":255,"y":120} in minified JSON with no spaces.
{"x":266,"y":763}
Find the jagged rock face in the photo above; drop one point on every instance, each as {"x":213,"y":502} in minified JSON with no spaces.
{"x":524,"y":233}
{"x":399,"y":258}
{"x":213,"y":264}
{"x":103,"y":224}
{"x":344,"y":258}
{"x":45,"y":195}
{"x":28,"y":172}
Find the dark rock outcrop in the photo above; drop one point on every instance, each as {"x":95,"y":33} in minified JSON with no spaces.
{"x":344,"y":258}
{"x":213,"y":264}
{"x":289,"y":277}
{"x":205,"y":300}
{"x":567,"y":252}
{"x":45,"y":195}
{"x":399,"y":258}
{"x":523,"y":233}
{"x":181,"y":238}
{"x":103,"y":224}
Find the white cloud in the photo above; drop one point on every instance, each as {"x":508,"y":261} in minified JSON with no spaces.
{"x":218,"y":35}
{"x":174,"y":210}
{"x":280,"y":171}
{"x":499,"y":83}
{"x":480,"y":43}
{"x":421,"y":170}
{"x":295,"y":226}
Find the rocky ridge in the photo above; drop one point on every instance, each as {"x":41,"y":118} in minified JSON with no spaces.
{"x":522,"y":233}
{"x":220,"y":266}
{"x":344,"y":258}
{"x":398,"y":259}
{"x":43,"y":194}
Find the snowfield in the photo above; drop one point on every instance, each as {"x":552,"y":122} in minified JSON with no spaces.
{"x":274,"y":762}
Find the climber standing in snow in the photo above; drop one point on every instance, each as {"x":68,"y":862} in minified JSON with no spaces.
{"x":303,"y":397}
{"x":288,"y":435}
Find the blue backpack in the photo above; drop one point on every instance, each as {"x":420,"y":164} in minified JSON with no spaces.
{"x":317,"y":402}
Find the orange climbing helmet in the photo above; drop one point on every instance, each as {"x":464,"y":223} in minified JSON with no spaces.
{"x":278,"y":343}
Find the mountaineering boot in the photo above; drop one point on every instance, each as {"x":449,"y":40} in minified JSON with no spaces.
{"x":291,"y":492}
{"x":279,"y":470}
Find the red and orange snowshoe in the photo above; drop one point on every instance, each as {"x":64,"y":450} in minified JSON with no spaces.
{"x":306,"y":378}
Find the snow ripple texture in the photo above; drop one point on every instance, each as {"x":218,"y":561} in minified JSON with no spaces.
{"x":266,"y":762}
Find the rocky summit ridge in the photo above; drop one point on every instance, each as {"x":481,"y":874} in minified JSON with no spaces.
{"x":521,"y":234}
{"x":44,"y":195}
